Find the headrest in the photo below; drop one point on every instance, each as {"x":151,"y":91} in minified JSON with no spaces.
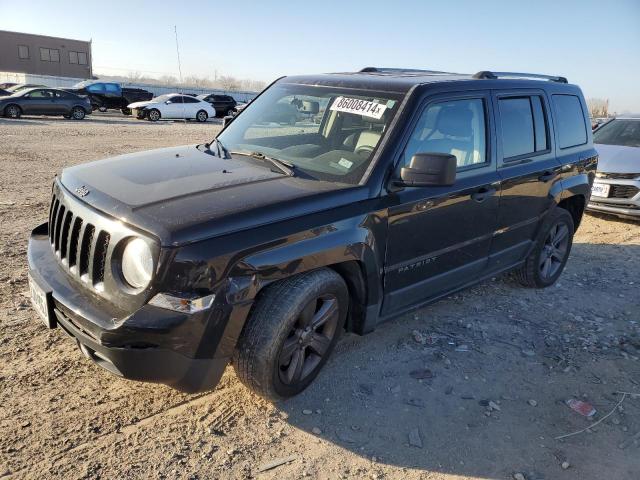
{"x":455,"y":121}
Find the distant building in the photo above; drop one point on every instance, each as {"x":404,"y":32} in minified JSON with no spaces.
{"x":43,"y":55}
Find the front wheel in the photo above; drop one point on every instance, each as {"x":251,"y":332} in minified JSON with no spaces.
{"x":550,"y":253}
{"x":78,"y":113}
{"x":202,"y":116}
{"x":126,"y":111}
{"x":12,"y":111}
{"x":153,"y":115}
{"x":292,"y":330}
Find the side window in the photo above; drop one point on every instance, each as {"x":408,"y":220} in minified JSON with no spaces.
{"x":23,"y":51}
{"x":456,"y":127}
{"x":95,"y":88}
{"x":571,"y":127}
{"x":190,"y":100}
{"x":40,"y":94}
{"x":112,"y":88}
{"x":523,"y":126}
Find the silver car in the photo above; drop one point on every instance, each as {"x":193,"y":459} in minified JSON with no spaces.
{"x":616,"y":189}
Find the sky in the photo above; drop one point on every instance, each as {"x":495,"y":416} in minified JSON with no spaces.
{"x":595,"y":44}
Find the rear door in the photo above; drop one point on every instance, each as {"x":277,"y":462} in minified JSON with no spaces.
{"x":528,"y":169}
{"x":439,"y":237}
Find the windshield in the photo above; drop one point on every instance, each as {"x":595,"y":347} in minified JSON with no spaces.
{"x":619,"y":132}
{"x":163,"y":98}
{"x":329,"y":133}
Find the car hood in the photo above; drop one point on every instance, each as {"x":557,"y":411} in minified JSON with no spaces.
{"x":182,"y":194}
{"x":141,"y":104}
{"x":618,"y":159}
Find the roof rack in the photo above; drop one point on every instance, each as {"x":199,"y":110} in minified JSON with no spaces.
{"x":486,"y":74}
{"x":413,"y":71}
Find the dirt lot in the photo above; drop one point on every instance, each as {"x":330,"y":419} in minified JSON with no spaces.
{"x":497,"y":362}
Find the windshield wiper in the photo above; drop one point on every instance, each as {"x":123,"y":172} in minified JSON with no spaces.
{"x":284,"y":167}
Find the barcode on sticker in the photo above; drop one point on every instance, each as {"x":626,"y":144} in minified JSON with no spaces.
{"x":358,"y":107}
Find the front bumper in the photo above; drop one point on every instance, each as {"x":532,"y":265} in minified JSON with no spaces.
{"x":623,"y":199}
{"x":152,"y":344}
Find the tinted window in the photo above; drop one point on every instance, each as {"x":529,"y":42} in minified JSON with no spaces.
{"x":40,"y":94}
{"x":571,"y":126}
{"x":539,"y":124}
{"x":456,"y":127}
{"x":517,"y":126}
{"x":96,"y":88}
{"x":619,"y":132}
{"x":111,"y":87}
{"x":191,"y":100}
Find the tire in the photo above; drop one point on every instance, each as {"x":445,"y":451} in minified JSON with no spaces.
{"x":126,"y":111}
{"x":202,"y":116}
{"x":275,"y":341}
{"x":154,"y":115}
{"x":549,"y":256}
{"x":231,"y":112}
{"x":12,"y":111}
{"x":78,"y":113}
{"x":102,"y":109}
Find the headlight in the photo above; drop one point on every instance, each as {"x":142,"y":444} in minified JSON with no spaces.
{"x":137,"y":263}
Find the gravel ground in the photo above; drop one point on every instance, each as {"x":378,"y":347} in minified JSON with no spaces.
{"x":475,"y":386}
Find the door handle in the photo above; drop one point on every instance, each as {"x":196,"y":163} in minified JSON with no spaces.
{"x":547,"y":176}
{"x":483,"y":193}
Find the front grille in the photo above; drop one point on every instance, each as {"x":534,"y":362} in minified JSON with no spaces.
{"x":618,"y":176}
{"x":77,"y":243}
{"x":623,"y":191}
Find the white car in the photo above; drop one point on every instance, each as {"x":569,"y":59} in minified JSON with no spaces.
{"x":173,"y":105}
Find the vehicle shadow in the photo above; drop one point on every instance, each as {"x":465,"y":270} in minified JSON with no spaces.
{"x":614,"y":218}
{"x":415,"y":393}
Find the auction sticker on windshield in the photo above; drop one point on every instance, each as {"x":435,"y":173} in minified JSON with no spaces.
{"x":358,"y":107}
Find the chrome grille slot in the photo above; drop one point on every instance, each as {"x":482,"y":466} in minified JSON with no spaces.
{"x":73,"y":241}
{"x":100,"y":256}
{"x":85,"y":249}
{"x":64,"y":235}
{"x":52,"y":221}
{"x":56,"y":238}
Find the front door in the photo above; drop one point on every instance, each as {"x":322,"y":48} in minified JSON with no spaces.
{"x":528,"y":169}
{"x":39,"y":102}
{"x":439,"y":237}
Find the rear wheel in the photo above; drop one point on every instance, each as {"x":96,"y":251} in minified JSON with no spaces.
{"x":154,"y":115}
{"x":231,"y":112}
{"x":126,"y":111}
{"x":546,"y":262}
{"x":12,"y":111}
{"x":292,"y":330}
{"x":102,"y":109}
{"x":77,"y":113}
{"x":202,"y":116}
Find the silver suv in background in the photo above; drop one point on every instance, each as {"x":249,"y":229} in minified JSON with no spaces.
{"x":616,"y":189}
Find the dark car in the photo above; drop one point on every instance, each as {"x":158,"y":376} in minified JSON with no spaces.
{"x":259,"y":247}
{"x":45,"y":101}
{"x":223,"y":104}
{"x":110,"y":96}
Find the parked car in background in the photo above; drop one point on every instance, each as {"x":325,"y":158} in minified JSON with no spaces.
{"x":240,"y":106}
{"x":171,"y":106}
{"x":223,"y":104}
{"x":24,"y":86}
{"x":4,"y":93}
{"x":6,"y":85}
{"x":45,"y":101}
{"x":110,"y":96}
{"x":616,"y":189}
{"x":260,"y":246}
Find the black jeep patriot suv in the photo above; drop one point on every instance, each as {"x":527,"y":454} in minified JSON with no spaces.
{"x":391,"y":189}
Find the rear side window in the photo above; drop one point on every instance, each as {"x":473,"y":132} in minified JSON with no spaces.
{"x":523,"y":125}
{"x":571,"y":126}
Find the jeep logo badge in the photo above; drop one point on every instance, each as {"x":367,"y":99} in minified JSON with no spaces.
{"x":82,"y":191}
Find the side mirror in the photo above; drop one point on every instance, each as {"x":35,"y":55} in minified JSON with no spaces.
{"x":167,"y":102}
{"x":429,"y":170}
{"x":227,"y":120}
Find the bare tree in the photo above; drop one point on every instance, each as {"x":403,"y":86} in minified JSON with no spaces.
{"x":598,"y":107}
{"x":229,"y":83}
